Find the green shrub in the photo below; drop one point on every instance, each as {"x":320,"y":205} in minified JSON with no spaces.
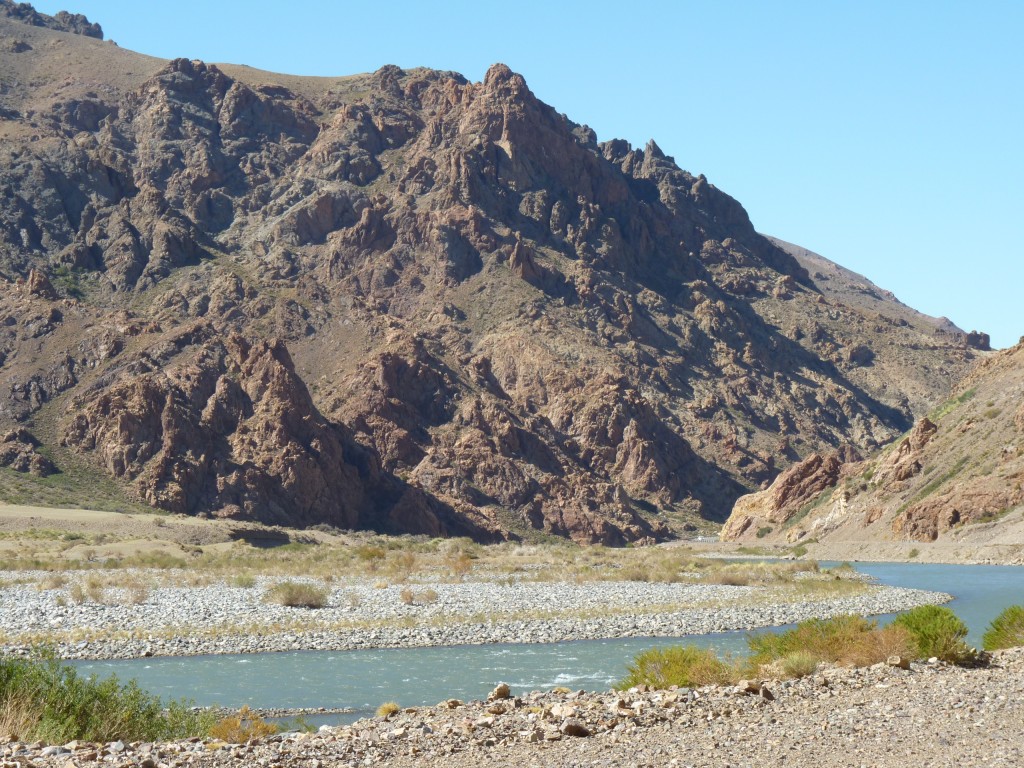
{"x":46,"y":700}
{"x":798,"y":664}
{"x":682,"y":665}
{"x":938,"y":632}
{"x":298,"y":594}
{"x":1006,"y":630}
{"x":763,"y":531}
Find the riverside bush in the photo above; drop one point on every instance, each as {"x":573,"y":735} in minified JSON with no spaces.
{"x":43,"y":699}
{"x":297,"y":594}
{"x":849,"y":640}
{"x":1006,"y":630}
{"x":938,"y":632}
{"x":682,"y":665}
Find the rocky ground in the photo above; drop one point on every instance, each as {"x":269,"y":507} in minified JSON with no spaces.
{"x":931,"y":714}
{"x":220,"y":618}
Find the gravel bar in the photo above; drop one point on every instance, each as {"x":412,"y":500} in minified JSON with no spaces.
{"x":219,"y":618}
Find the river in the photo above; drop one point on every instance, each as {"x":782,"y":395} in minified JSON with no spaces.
{"x":362,"y":680}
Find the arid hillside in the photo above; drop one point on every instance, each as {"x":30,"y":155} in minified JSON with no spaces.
{"x":957,"y":477}
{"x":405,"y":301}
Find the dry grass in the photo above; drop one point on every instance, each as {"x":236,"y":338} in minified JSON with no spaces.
{"x":241,"y":727}
{"x":18,"y":717}
{"x":297,"y":594}
{"x":388,"y":708}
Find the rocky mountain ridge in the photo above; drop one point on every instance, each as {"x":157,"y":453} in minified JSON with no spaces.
{"x":407,"y":301}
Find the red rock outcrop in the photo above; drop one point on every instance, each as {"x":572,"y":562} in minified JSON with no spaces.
{"x":791,"y":490}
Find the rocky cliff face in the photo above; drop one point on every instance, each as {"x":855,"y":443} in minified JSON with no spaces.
{"x":957,"y":475}
{"x":406,"y":300}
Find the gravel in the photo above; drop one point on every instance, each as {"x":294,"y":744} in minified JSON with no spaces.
{"x":219,"y":618}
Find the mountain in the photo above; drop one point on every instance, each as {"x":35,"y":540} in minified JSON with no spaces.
{"x":409,"y":302}
{"x":957,"y":477}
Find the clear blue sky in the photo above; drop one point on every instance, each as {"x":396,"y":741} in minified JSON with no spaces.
{"x":886,"y":136}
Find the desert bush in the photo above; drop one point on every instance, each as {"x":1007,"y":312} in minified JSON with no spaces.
{"x":682,"y":665}
{"x":459,"y":563}
{"x":849,"y":640}
{"x":428,"y":596}
{"x":242,"y":581}
{"x":387,"y":709}
{"x":938,"y":632}
{"x":731,"y":578}
{"x":1006,"y":630}
{"x":297,"y":594}
{"x":798,"y":664}
{"x":52,"y":581}
{"x":407,"y":596}
{"x":241,"y":727}
{"x":46,"y":700}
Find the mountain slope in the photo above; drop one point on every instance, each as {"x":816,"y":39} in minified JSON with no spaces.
{"x":956,"y":477}
{"x":489,"y":322}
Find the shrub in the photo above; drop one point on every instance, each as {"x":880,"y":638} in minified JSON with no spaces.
{"x":242,"y":727}
{"x":1006,"y":629}
{"x":407,"y":596}
{"x":46,"y":700}
{"x":298,"y":594}
{"x":938,"y":632}
{"x":243,"y":581}
{"x":764,"y":531}
{"x":849,"y":640}
{"x":682,"y":665}
{"x":387,"y":709}
{"x":798,"y":664}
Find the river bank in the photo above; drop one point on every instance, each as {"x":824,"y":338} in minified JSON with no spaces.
{"x":930,"y":714}
{"x":220,"y":618}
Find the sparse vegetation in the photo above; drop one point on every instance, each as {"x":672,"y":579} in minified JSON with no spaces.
{"x":764,"y":531}
{"x":951,"y":404}
{"x":298,"y":594}
{"x":1006,"y":630}
{"x":241,"y":727}
{"x":388,"y":708}
{"x":845,"y":640}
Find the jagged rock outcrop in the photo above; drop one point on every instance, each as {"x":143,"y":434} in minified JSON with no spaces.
{"x":904,"y":462}
{"x":63,"y":21}
{"x":18,"y":452}
{"x":792,"y":489}
{"x":518,"y":328}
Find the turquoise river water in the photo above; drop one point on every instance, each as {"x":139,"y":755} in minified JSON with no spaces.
{"x":361,"y":680}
